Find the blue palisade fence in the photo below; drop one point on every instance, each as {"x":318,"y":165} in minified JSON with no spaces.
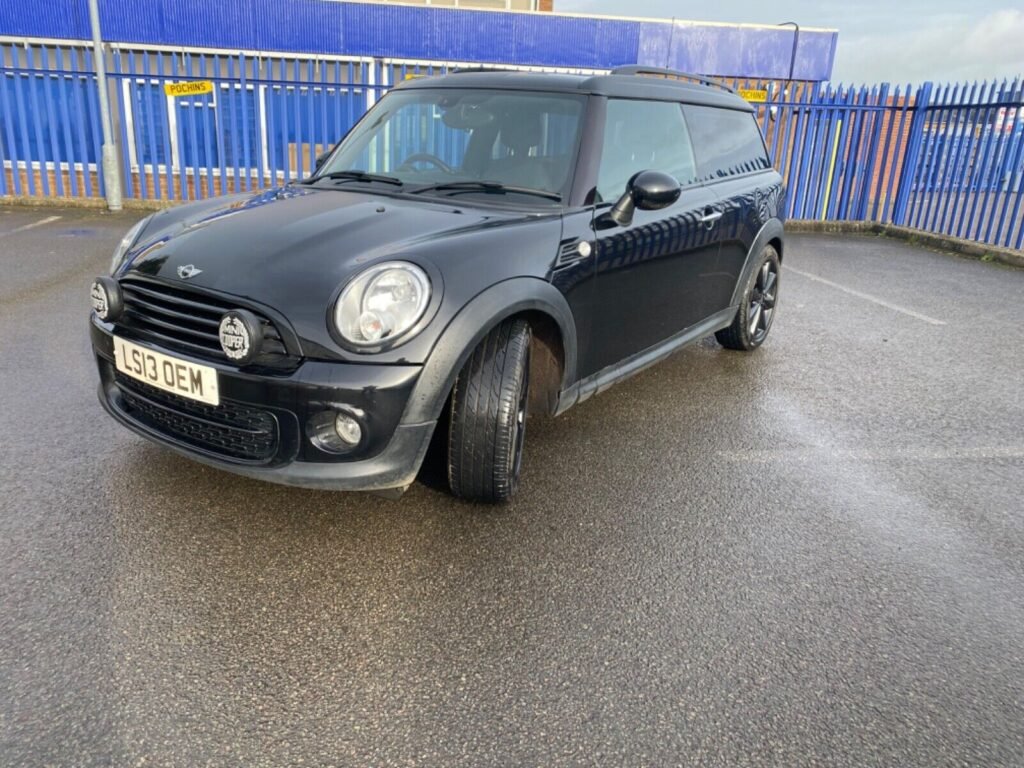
{"x":947,"y":159}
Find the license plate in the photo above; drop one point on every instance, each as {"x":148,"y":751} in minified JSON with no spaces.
{"x":179,"y":377}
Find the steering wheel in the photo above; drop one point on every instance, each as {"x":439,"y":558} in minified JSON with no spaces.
{"x":425,"y":157}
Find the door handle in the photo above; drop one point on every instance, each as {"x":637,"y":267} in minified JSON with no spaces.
{"x":710,"y":217}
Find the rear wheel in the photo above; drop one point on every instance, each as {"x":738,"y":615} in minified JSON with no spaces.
{"x":488,"y":416}
{"x":754,"y":317}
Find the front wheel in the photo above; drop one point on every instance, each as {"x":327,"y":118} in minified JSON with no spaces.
{"x":488,"y":416}
{"x":754,"y":317}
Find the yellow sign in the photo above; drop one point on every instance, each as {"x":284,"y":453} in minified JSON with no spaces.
{"x":189,"y":88}
{"x":753,"y":95}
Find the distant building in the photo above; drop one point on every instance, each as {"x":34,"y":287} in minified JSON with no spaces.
{"x":438,"y":31}
{"x":494,"y":5}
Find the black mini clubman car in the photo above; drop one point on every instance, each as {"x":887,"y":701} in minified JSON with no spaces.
{"x":479,"y":247}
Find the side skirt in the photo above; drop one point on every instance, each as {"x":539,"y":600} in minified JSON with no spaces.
{"x":613,"y":374}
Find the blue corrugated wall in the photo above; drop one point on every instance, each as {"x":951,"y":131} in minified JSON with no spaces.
{"x":431,"y":32}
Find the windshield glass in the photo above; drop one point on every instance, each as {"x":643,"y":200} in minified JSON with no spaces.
{"x":446,"y":140}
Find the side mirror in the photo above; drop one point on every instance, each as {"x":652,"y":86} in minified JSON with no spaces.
{"x":648,"y":191}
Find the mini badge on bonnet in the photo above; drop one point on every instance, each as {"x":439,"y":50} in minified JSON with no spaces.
{"x":240,"y":336}
{"x":188,"y":270}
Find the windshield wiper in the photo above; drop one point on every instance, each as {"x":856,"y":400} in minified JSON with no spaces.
{"x":357,"y":176}
{"x":485,"y":186}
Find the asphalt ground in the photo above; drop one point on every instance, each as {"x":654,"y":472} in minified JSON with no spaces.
{"x":808,"y":555}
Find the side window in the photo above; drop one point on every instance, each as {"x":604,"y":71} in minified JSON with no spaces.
{"x":641,"y":136}
{"x":727,"y":142}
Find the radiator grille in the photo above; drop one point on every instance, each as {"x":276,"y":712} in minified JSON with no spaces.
{"x":183,"y":319}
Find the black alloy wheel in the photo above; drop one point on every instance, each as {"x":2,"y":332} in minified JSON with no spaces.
{"x":762,"y":301}
{"x":756,"y":311}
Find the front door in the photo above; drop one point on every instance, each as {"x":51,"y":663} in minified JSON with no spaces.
{"x":653,"y":275}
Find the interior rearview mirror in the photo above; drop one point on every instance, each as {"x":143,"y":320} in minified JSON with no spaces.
{"x":648,"y":191}
{"x":322,"y":158}
{"x":467,"y":117}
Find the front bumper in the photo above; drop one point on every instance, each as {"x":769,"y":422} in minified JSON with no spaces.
{"x":270,"y":412}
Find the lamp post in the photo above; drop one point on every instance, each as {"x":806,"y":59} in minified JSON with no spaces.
{"x":111,"y":173}
{"x":796,"y":42}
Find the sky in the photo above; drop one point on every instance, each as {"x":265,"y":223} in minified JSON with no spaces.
{"x":879,"y":40}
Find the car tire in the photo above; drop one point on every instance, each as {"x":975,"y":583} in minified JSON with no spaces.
{"x":488,"y":416}
{"x":756,"y":311}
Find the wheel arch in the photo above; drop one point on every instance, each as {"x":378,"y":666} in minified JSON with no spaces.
{"x":771,"y":233}
{"x":551,"y":321}
{"x":547,"y":361}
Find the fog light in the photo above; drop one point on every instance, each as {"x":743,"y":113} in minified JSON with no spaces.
{"x":348,"y":429}
{"x":241,"y":336}
{"x":336,"y":431}
{"x":105,"y":297}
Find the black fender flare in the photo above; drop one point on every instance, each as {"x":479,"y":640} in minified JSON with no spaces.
{"x":468,"y":328}
{"x":769,"y":231}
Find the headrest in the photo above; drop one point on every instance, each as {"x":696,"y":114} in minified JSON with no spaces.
{"x":521,"y":131}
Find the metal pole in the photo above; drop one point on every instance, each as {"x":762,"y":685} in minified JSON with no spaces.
{"x":111,"y":172}
{"x":796,"y":42}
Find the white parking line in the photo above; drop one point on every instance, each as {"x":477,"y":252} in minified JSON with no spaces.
{"x":876,"y":454}
{"x":33,"y":225}
{"x":867,"y":297}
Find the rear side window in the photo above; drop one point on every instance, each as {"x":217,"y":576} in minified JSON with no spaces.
{"x":727,"y":142}
{"x":643,"y":136}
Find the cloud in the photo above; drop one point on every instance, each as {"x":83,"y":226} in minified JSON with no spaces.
{"x":941,"y":48}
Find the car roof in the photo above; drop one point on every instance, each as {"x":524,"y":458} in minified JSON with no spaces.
{"x":666,"y":86}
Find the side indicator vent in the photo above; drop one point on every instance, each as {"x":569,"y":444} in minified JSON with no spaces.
{"x":571,"y":251}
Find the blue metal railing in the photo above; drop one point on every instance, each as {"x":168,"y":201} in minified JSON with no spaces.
{"x":946,"y":159}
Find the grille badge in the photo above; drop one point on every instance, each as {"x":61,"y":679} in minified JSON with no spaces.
{"x":240,"y":336}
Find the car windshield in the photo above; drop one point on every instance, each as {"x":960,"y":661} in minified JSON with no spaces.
{"x":508,"y":145}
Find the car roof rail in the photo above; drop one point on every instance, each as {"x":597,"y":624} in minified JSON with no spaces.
{"x":639,"y":69}
{"x":466,"y":70}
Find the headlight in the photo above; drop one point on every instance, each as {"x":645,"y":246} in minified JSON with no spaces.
{"x":382,"y":303}
{"x":126,"y":243}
